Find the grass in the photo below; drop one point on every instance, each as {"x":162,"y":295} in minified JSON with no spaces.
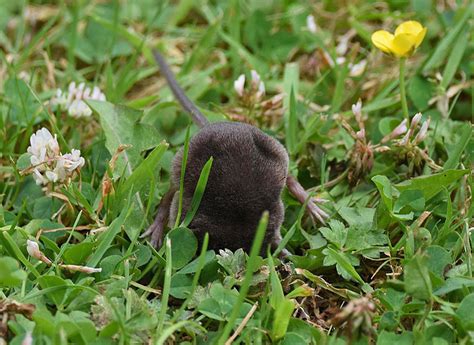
{"x":392,"y":265}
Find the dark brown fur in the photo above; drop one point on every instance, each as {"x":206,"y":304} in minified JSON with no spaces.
{"x":247,"y":177}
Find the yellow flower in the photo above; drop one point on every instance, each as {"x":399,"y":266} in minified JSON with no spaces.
{"x":408,"y":36}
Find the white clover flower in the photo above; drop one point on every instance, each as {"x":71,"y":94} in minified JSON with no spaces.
{"x":357,"y":109}
{"x":48,"y":164}
{"x":33,"y":249}
{"x":79,"y":108}
{"x":257,"y":83}
{"x":43,"y":147}
{"x":60,"y":99}
{"x":358,"y":68}
{"x":415,"y":120}
{"x":239,"y":85}
{"x":341,"y":48}
{"x":422,"y":132}
{"x":397,"y":131}
{"x":255,"y":78}
{"x":97,"y":94}
{"x":401,"y":128}
{"x":72,"y":161}
{"x":225,"y":253}
{"x":73,"y":99}
{"x":311,"y":24}
{"x":340,"y":60}
{"x":261,"y":90}
{"x":39,"y":179}
{"x":52,"y":176}
{"x":343,"y":45}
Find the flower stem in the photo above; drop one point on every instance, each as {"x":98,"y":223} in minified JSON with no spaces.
{"x":403,"y":96}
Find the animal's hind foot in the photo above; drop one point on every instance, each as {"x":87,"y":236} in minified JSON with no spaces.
{"x":156,"y":230}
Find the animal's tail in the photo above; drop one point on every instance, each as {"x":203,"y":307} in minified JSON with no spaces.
{"x":198,"y":118}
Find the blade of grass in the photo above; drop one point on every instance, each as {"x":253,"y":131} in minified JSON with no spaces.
{"x":437,"y":58}
{"x":338,"y":98}
{"x":166,"y":288}
{"x":198,"y":193}
{"x":181,"y":178}
{"x":458,"y":148}
{"x":290,"y":88}
{"x":251,"y":267}
{"x":292,"y":132}
{"x":454,"y":59}
{"x":105,"y":240}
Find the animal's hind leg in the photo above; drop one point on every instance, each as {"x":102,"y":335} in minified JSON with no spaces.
{"x":156,"y":229}
{"x":302,"y":196}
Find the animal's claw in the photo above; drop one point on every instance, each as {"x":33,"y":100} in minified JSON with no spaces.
{"x":315,"y":211}
{"x":312,"y":203}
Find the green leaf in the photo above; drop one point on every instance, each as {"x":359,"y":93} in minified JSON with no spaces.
{"x":210,"y":256}
{"x":122,"y":127}
{"x":282,"y":316}
{"x":358,"y":216}
{"x":385,"y":189}
{"x":183,"y":246}
{"x":315,"y":241}
{"x":221,"y":304}
{"x":465,"y":314}
{"x":453,"y":284}
{"x":24,"y":161}
{"x":386,"y":338}
{"x":56,"y":295}
{"x":417,"y":279}
{"x":277,"y":295}
{"x":77,"y":254}
{"x":413,"y":200}
{"x":141,"y":174}
{"x":345,"y":263}
{"x":292,"y":338}
{"x":181,"y":285}
{"x":432,"y":184}
{"x":13,"y":249}
{"x":211,"y":309}
{"x":336,"y":233}
{"x":45,"y":207}
{"x":438,"y":259}
{"x":108,"y":265}
{"x":362,"y":238}
{"x":10,"y":273}
{"x":309,"y":333}
{"x":320,"y":282}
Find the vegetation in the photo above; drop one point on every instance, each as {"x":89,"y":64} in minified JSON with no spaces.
{"x":83,"y":169}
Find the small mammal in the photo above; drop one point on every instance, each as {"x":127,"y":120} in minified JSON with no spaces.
{"x":248,"y":174}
